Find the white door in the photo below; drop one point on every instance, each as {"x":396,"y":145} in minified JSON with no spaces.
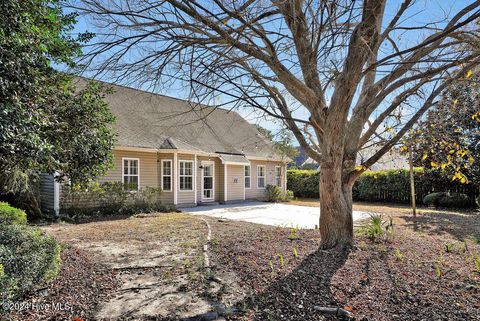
{"x":207,"y":181}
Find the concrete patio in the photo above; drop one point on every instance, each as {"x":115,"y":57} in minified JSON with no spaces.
{"x":275,"y":214}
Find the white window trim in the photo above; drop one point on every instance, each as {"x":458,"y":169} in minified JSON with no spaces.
{"x":213,"y":181}
{"x":138,"y":170}
{"x":245,"y":177}
{"x":278,"y":176}
{"x":171,"y":174}
{"x":264,"y":177}
{"x":192,"y":176}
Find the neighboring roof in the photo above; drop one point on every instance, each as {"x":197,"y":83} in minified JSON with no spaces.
{"x":147,"y":120}
{"x":391,"y":160}
{"x":300,"y":158}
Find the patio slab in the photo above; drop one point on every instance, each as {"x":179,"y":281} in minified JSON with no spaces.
{"x":275,"y":214}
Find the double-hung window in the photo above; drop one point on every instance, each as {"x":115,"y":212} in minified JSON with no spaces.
{"x":131,"y":176}
{"x":260,"y":176}
{"x":247,"y":176}
{"x":167,"y":175}
{"x":278,"y":176}
{"x":186,"y":175}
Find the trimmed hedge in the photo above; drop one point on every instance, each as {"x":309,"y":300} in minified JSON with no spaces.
{"x":383,"y":186}
{"x":28,"y":258}
{"x":12,"y":215}
{"x":303,"y":182}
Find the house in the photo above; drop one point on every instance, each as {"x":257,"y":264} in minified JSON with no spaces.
{"x":391,"y":160}
{"x":195,"y":153}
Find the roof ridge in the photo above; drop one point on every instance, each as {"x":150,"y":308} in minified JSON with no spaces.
{"x":157,"y":94}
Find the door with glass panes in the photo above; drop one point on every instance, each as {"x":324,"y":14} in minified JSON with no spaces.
{"x":207,"y":181}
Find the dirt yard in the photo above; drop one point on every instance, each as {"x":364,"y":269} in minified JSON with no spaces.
{"x":154,"y":268}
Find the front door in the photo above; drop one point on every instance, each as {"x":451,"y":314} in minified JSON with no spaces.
{"x":207,"y":181}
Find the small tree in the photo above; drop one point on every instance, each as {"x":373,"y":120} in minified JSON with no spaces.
{"x":339,"y":74}
{"x":46,"y":123}
{"x":282,"y":141}
{"x":448,"y":139}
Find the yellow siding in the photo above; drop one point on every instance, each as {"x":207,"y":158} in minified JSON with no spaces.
{"x":235,"y":183}
{"x":256,"y":193}
{"x":184,"y":197}
{"x":147,"y":168}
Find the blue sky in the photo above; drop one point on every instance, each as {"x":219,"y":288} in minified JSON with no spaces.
{"x":425,"y":10}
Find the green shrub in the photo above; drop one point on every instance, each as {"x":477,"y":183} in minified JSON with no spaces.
{"x":276,"y":194}
{"x":303,"y":182}
{"x":452,"y":200}
{"x":288,"y":196}
{"x":28,"y":258}
{"x":433,"y":199}
{"x":455,"y":200}
{"x":110,"y":198}
{"x":374,"y":229}
{"x":11,"y":215}
{"x":383,"y":186}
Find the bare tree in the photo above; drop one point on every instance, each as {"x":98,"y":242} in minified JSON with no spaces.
{"x":337,"y":73}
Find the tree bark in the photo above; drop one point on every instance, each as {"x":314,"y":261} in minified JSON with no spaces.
{"x":336,"y":221}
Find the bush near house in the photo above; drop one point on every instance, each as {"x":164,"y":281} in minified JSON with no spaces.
{"x":28,"y":257}
{"x":276,"y":194}
{"x":384,"y":186}
{"x":110,"y":198}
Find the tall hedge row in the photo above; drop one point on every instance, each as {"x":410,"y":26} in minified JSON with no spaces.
{"x":385,"y":186}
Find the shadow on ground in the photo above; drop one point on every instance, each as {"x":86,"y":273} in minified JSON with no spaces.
{"x":293,"y":296}
{"x":460,"y":225}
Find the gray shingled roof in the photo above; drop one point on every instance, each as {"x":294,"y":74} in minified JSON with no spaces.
{"x":154,"y":121}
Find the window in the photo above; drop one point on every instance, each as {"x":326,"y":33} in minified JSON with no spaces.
{"x":130,"y":170}
{"x":261,"y":176}
{"x":278,"y":175}
{"x":247,"y":176}
{"x":167,"y":175}
{"x":186,"y":175}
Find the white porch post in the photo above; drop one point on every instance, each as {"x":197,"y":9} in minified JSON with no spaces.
{"x":175,"y":178}
{"x":243,"y":182}
{"x":195,"y":172}
{"x":285,"y":178}
{"x":225,"y":181}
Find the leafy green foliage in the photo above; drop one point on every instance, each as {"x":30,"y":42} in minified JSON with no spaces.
{"x":449,"y":138}
{"x":28,"y":257}
{"x":282,"y":141}
{"x":46,"y":123}
{"x":11,"y":215}
{"x":433,"y":199}
{"x":276,"y":194}
{"x":452,"y":200}
{"x":387,"y":186}
{"x":303,"y":182}
{"x":373,"y":229}
{"x":293,"y":235}
{"x":110,"y":198}
{"x":399,"y":255}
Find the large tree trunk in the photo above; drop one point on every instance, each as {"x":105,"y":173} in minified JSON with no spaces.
{"x":336,"y":222}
